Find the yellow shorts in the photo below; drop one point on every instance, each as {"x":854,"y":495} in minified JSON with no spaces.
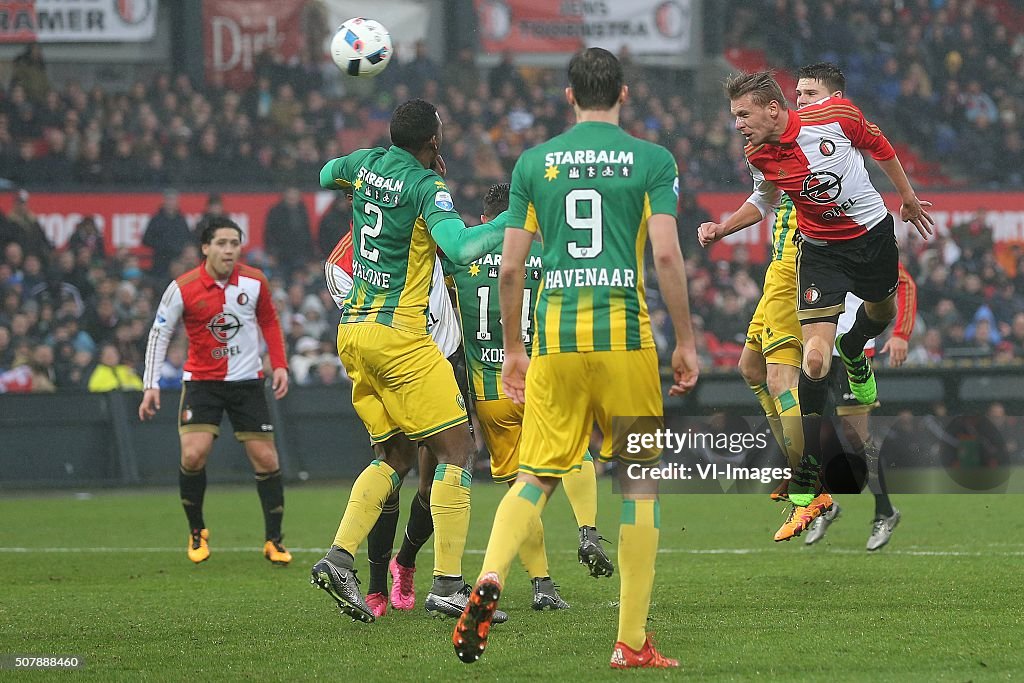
{"x":774,"y":329}
{"x":501,"y":423}
{"x":400,"y":382}
{"x":567,"y":392}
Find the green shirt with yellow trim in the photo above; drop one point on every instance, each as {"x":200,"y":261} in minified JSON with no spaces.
{"x":476,"y":287}
{"x":395,"y":203}
{"x":590,"y":192}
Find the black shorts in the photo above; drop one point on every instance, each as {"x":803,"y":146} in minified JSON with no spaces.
{"x":867,"y":265}
{"x":842,"y":396}
{"x":203,"y":404}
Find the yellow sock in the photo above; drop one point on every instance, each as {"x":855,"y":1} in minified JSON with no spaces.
{"x":369,"y":492}
{"x":581,"y":490}
{"x":516,"y":516}
{"x":788,"y":407}
{"x":771,"y":412}
{"x":638,"y":547}
{"x":449,"y":508}
{"x":533,"y":553}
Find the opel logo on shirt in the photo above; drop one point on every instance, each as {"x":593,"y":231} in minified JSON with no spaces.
{"x":822,"y":187}
{"x":224,"y":327}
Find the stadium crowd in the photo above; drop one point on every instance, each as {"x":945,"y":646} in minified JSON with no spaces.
{"x":78,"y":317}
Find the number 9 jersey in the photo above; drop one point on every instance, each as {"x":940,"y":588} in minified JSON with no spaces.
{"x":590,"y":192}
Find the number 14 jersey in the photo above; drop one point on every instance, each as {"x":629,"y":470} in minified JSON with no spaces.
{"x":590,"y":192}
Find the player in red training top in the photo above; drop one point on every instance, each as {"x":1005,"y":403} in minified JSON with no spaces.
{"x":225,"y":306}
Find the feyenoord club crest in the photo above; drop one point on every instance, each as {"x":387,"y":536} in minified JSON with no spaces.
{"x":812,"y":294}
{"x":826,"y":147}
{"x":242,"y":299}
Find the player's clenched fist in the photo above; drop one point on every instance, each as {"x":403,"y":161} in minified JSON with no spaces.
{"x":709,"y":232}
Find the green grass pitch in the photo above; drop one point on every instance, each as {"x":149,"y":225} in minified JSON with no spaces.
{"x":106,"y":578}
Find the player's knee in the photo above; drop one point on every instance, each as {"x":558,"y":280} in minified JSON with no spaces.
{"x":263,"y":456}
{"x":193,"y":459}
{"x":883,"y":311}
{"x":815,"y":363}
{"x":752,"y":371}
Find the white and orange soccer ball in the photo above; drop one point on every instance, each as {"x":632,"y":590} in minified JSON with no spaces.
{"x":361,"y":47}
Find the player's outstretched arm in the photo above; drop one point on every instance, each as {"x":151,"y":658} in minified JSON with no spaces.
{"x":464,"y":245}
{"x":913,"y":209}
{"x":510,"y":294}
{"x":744,"y":217}
{"x":671,"y":269}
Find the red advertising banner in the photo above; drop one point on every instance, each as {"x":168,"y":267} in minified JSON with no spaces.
{"x":235,"y":32}
{"x":529,"y":25}
{"x":122,"y":218}
{"x":1004,"y":213}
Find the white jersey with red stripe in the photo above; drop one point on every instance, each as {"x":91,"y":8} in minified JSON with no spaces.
{"x":443,"y":323}
{"x":224,"y":322}
{"x":819,"y":163}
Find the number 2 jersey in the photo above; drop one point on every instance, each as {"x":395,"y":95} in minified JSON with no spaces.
{"x":395,"y":202}
{"x":476,"y":286}
{"x":590,"y":191}
{"x":444,"y":325}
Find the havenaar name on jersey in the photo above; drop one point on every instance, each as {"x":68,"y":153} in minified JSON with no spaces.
{"x":588,"y":156}
{"x":589,"y":277}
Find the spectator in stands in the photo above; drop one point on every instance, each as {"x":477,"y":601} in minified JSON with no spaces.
{"x":214,"y":209}
{"x":27,"y":230}
{"x":30,"y":73}
{"x":44,"y":376}
{"x":929,"y":351}
{"x":334,"y":224}
{"x":112,"y":375}
{"x":172,"y":371}
{"x":87,"y":236}
{"x":287,"y":237}
{"x":6,"y":352}
{"x":167,"y":234}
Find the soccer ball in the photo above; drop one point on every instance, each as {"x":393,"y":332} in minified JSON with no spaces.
{"x":361,"y":47}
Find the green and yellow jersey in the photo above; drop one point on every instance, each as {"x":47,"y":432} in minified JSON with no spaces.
{"x":783,"y":230}
{"x":476,"y":287}
{"x":590,"y":192}
{"x":395,"y":203}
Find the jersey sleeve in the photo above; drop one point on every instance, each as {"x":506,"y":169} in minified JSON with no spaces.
{"x":906,"y":305}
{"x":270,"y":326}
{"x":520,"y":209}
{"x":434,"y":200}
{"x":339,"y":174}
{"x":663,"y":186}
{"x":864,"y":134}
{"x":168,"y":313}
{"x":766,"y":194}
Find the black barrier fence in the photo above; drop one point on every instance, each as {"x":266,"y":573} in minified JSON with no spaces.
{"x":85,"y":440}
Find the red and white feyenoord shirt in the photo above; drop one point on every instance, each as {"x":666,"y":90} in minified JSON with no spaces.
{"x":444,"y":324}
{"x":819,"y":163}
{"x":223,"y":322}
